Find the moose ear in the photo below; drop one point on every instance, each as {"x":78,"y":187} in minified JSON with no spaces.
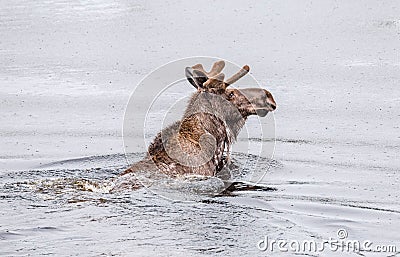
{"x":195,"y":77}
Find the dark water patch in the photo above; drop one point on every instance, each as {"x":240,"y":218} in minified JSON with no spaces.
{"x":387,"y":24}
{"x":6,"y":235}
{"x":358,"y":166}
{"x":44,"y":228}
{"x":360,"y":206}
{"x":294,"y":141}
{"x":368,"y":205}
{"x":238,"y":186}
{"x":389,"y":145}
{"x":303,"y":182}
{"x":283,"y":140}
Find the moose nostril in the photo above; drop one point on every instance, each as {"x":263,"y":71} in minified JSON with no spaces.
{"x":273,"y":106}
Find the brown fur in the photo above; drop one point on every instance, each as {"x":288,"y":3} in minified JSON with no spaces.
{"x":200,"y":142}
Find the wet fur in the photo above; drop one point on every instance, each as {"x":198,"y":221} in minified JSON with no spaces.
{"x":204,"y":117}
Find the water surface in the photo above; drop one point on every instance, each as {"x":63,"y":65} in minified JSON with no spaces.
{"x":67,"y":69}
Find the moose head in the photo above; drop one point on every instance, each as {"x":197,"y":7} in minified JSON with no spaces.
{"x":249,"y":101}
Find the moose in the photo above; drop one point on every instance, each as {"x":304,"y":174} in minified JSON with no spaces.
{"x":200,"y":143}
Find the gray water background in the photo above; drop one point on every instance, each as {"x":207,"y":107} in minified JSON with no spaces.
{"x":67,"y":69}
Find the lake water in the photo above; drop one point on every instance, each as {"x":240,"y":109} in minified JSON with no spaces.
{"x":67,"y":69}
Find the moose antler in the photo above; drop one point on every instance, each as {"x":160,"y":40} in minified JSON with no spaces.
{"x":215,"y":69}
{"x":215,"y":79}
{"x":243,"y":71}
